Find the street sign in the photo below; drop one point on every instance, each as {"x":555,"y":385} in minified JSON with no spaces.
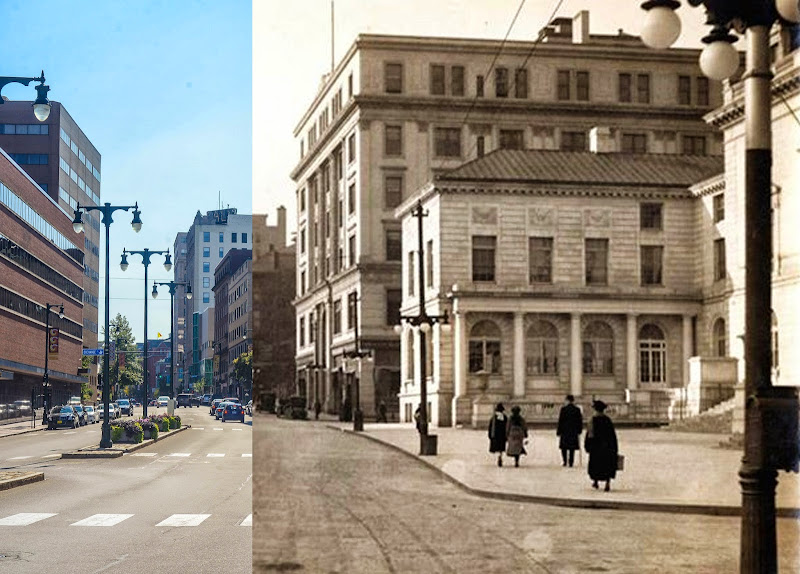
{"x":92,"y":352}
{"x":52,"y":343}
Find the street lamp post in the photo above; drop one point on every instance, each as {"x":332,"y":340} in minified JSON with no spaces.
{"x":172,"y":287}
{"x":767,"y":409}
{"x":46,"y":377}
{"x":41,"y":106}
{"x":77,"y":224}
{"x":357,"y":353}
{"x":427,"y":444}
{"x":146,"y":254}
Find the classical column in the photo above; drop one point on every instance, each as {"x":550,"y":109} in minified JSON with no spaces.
{"x":688,"y":345}
{"x":576,"y":356}
{"x":519,"y":354}
{"x":632,"y":355}
{"x":459,"y":360}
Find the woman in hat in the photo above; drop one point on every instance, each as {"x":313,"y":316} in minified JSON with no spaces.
{"x":517,"y":433}
{"x":498,"y":428}
{"x":601,"y":444}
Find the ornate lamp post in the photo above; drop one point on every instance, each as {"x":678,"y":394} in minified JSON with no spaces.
{"x":45,"y":378}
{"x":770,"y":434}
{"x":41,"y":106}
{"x":357,"y":354}
{"x":427,"y":444}
{"x":77,"y":224}
{"x":172,"y":287}
{"x":145,"y":253}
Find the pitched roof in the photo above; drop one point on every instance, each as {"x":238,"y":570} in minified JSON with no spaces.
{"x":583,"y":167}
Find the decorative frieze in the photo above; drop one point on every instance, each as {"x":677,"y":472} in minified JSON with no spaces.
{"x":597,"y":217}
{"x":484,"y":215}
{"x":541,"y":216}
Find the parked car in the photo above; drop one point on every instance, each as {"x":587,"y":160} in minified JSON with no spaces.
{"x":91,"y":414}
{"x":74,"y":401}
{"x":63,"y":416}
{"x":184,"y":400}
{"x":232,"y":400}
{"x":206,"y":400}
{"x":220,"y":407}
{"x":232,"y":411}
{"x":214,"y":404}
{"x":3,"y":411}
{"x":80,"y":413}
{"x":25,"y":409}
{"x":153,"y":403}
{"x":294,"y":408}
{"x":163,"y":400}
{"x":125,"y":407}
{"x":195,"y":401}
{"x":112,"y":412}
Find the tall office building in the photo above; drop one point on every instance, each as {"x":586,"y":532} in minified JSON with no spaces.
{"x":62,"y":160}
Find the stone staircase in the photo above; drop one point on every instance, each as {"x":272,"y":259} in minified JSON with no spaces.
{"x":718,"y":420}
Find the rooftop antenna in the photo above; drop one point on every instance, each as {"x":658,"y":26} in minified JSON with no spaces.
{"x":332,"y":33}
{"x":219,"y":199}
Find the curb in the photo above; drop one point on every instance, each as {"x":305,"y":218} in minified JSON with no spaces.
{"x":22,"y":432}
{"x":24,"y":478}
{"x":118,"y":452}
{"x":667,"y":508}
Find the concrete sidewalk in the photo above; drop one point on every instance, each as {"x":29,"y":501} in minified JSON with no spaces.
{"x":664,"y":471}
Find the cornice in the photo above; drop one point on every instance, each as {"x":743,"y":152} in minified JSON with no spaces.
{"x":568,"y":189}
{"x":709,"y":187}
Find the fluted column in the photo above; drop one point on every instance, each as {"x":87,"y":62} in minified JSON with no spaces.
{"x":576,"y":356}
{"x":688,"y":345}
{"x":519,"y":354}
{"x":632,"y":354}
{"x":459,"y":360}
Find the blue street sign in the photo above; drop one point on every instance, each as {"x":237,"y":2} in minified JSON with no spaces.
{"x":92,"y":352}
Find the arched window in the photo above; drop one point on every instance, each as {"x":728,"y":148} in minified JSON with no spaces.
{"x":720,"y":338}
{"x":652,"y":355}
{"x":484,"y":348}
{"x":598,"y":349}
{"x":541,"y":349}
{"x":774,"y":344}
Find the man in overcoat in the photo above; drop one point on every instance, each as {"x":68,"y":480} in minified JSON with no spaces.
{"x":498,"y":432}
{"x":570,"y":426}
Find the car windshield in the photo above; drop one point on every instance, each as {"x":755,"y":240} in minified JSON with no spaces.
{"x":89,"y":409}
{"x":55,"y":410}
{"x":66,"y":409}
{"x":78,"y":408}
{"x":124,"y":402}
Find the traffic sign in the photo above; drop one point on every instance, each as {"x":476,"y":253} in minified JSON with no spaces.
{"x":92,"y":352}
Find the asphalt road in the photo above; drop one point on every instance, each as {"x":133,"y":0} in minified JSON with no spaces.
{"x":330,"y":502}
{"x":183,"y":502}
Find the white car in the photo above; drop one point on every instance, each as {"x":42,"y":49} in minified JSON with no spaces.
{"x":112,"y":412}
{"x":162,"y":401}
{"x":91,"y":415}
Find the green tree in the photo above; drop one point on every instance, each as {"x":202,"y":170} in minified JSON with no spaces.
{"x":243,"y":367}
{"x":129,"y":376}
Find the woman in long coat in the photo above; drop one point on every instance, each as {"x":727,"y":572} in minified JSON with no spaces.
{"x":517,"y":433}
{"x":498,"y":428}
{"x":601,"y":444}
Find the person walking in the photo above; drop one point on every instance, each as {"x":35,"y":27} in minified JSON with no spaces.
{"x":382,"y":412}
{"x":570,"y":426}
{"x":418,"y":419}
{"x":517,"y":433}
{"x":601,"y":444}
{"x":317,"y":409}
{"x":498,"y":432}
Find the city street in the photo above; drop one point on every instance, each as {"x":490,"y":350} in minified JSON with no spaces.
{"x":183,"y":500}
{"x":328,"y":501}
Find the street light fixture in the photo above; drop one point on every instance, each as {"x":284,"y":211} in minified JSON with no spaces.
{"x":427,"y":443}
{"x":46,"y":377}
{"x":172,"y":287}
{"x":77,"y":224}
{"x":41,"y":106}
{"x":767,"y":408}
{"x":145,"y":253}
{"x":357,"y":353}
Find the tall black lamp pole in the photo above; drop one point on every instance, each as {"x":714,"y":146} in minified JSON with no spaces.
{"x":173,"y":285}
{"x":41,"y":106}
{"x":77,"y":224}
{"x":46,"y":377}
{"x":357,"y":353}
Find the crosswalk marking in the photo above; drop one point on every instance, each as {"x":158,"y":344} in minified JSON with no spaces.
{"x":20,"y":457}
{"x":198,"y":428}
{"x":183,"y":454}
{"x":247,"y":521}
{"x":236,"y":429}
{"x":217,"y":428}
{"x":25,"y":518}
{"x":215,"y":455}
{"x":248,"y":455}
{"x":51,"y":455}
{"x":183,"y":520}
{"x":144,"y":454}
{"x":70,"y":432}
{"x":102,"y":520}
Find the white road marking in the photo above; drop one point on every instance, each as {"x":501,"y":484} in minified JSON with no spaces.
{"x":237,"y":429}
{"x":102,"y":520}
{"x":247,"y":521}
{"x":25,"y":518}
{"x":217,"y":428}
{"x":183,"y":454}
{"x":70,"y":432}
{"x":198,"y":428}
{"x":51,"y":455}
{"x":20,"y":457}
{"x":248,"y":455}
{"x":183,"y":520}
{"x":215,"y":455}
{"x":144,"y":454}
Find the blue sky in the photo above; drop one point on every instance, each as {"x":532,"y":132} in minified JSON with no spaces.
{"x":163,"y":90}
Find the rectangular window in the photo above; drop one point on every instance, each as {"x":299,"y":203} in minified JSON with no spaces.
{"x":702,"y":91}
{"x":720,"y":269}
{"x":573,"y":141}
{"x":652,"y":257}
{"x":643,"y":88}
{"x":511,"y":139}
{"x":206,"y":267}
{"x":394,"y":298}
{"x":693,"y":145}
{"x":481,"y":146}
{"x":596,"y":261}
{"x":351,"y":250}
{"x":582,"y":86}
{"x":483,"y":257}
{"x":457,"y":80}
{"x":684,"y":90}
{"x":650,"y":216}
{"x":302,"y":282}
{"x":206,"y":282}
{"x":233,"y":238}
{"x":221,"y":237}
{"x":351,"y":199}
{"x":221,"y":252}
{"x":393,"y":141}
{"x":394,"y":245}
{"x":719,"y":207}
{"x":393,"y":190}
{"x":301,"y":332}
{"x":429,"y":263}
{"x":563,"y":80}
{"x":351,"y":148}
{"x":351,"y":310}
{"x":634,"y":143}
{"x":624,"y":88}
{"x":206,"y":297}
{"x":540,"y":251}
{"x":479,"y":86}
{"x":337,"y":316}
{"x":206,"y":252}
{"x":302,"y":240}
{"x":350,"y":86}
{"x":410,"y":272}
{"x":393,"y":78}
{"x":437,"y":80}
{"x":521,"y":83}
{"x":244,"y":238}
{"x":501,"y":82}
{"x":447,"y":142}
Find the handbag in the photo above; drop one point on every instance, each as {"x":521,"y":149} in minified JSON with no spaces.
{"x":620,"y":462}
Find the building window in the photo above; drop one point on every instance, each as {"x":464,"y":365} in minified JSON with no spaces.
{"x":643,"y":88}
{"x":206,"y":252}
{"x":694,"y":145}
{"x":484,"y":348}
{"x":351,"y":148}
{"x":233,"y":238}
{"x":393,"y":141}
{"x":573,"y":141}
{"x":394,"y":298}
{"x":351,"y":250}
{"x":303,"y":240}
{"x":457,"y":80}
{"x":719,"y":338}
{"x":582,"y":86}
{"x":206,"y":267}
{"x":350,"y":86}
{"x":650,"y":216}
{"x":541,"y":349}
{"x":652,"y":264}
{"x":394,"y":245}
{"x":479,"y":86}
{"x":221,"y":252}
{"x":598,"y":349}
{"x":719,"y":207}
{"x":301,"y":332}
{"x":393,"y":190}
{"x":563,"y":80}
{"x":206,"y":282}
{"x":351,"y":199}
{"x":393,"y":78}
{"x":302,"y":282}
{"x":511,"y":139}
{"x":540,"y":266}
{"x":351,"y":310}
{"x":624,"y":88}
{"x":652,"y":355}
{"x":410,"y":273}
{"x":634,"y":143}
{"x":702,"y":90}
{"x":596,"y":261}
{"x":206,"y":237}
{"x":337,"y":316}
{"x":684,"y":90}
{"x":774,"y":344}
{"x":244,"y":238}
{"x":720,"y":270}
{"x":429,"y":263}
{"x":437,"y":80}
{"x":447,"y":142}
{"x":206,"y":297}
{"x":521,"y":83}
{"x":501,"y":82}
{"x":483,"y":256}
{"x":481,"y":146}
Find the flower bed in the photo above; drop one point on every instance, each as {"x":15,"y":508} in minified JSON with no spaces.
{"x":127,"y":431}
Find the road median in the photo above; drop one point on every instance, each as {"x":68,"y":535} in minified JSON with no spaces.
{"x":119,"y":449}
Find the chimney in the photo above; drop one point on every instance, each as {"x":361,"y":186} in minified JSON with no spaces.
{"x":580,"y":27}
{"x":282,"y":223}
{"x":601,"y":140}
